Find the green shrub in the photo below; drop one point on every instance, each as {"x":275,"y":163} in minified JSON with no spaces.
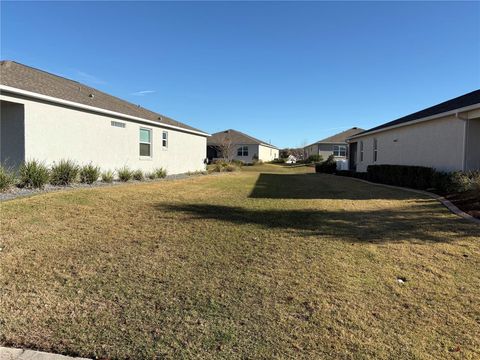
{"x":107,"y":176}
{"x":315,"y":158}
{"x":33,"y":174}
{"x":64,"y":172}
{"x":89,"y":174}
{"x":417,"y":177}
{"x":138,"y":175}
{"x":125,"y":174}
{"x":160,"y":173}
{"x":278,"y":161}
{"x":7,"y":178}
{"x":328,"y":166}
{"x":457,"y":181}
{"x":151,"y":175}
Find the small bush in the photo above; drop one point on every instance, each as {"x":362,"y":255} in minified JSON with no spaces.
{"x":124,"y":174}
{"x":151,"y":175}
{"x":160,"y":173}
{"x":416,"y":177}
{"x":458,"y":181}
{"x":33,"y":174}
{"x":107,"y":176}
{"x":278,"y":161}
{"x":89,"y":174}
{"x":231,"y":168}
{"x":64,"y":172}
{"x":315,"y":158}
{"x":217,"y":167}
{"x":7,"y":178}
{"x":328,"y":166}
{"x":238,"y":163}
{"x":138,"y":175}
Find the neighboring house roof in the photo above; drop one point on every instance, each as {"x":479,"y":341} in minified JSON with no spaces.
{"x":340,"y":137}
{"x":235,"y":137}
{"x":27,"y":78}
{"x":472,"y":98}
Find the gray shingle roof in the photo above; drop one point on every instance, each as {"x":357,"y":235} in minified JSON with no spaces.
{"x":41,"y":82}
{"x":340,"y":137}
{"x":236,"y":137}
{"x":459,"y":102}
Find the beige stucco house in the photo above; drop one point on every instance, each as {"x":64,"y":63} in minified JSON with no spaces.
{"x":335,"y":144}
{"x":235,"y":145}
{"x":445,"y":137}
{"x":48,"y":118}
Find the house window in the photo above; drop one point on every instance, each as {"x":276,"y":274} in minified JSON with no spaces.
{"x":361,"y":150}
{"x":145,"y":142}
{"x":165,"y":139}
{"x":340,"y":150}
{"x":375,"y":150}
{"x":242,"y":151}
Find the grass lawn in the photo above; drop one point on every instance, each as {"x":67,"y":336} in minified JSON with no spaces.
{"x":271,"y":262}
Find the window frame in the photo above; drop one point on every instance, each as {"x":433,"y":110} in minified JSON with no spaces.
{"x":242,"y":151}
{"x":150,"y":144}
{"x":340,"y":147}
{"x":164,"y":139}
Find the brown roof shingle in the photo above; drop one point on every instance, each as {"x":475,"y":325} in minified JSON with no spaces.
{"x":41,"y":82}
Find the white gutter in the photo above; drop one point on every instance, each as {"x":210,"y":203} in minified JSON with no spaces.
{"x":428,"y":118}
{"x":95,"y":109}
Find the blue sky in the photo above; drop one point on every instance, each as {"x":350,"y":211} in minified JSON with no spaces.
{"x":285,"y":72}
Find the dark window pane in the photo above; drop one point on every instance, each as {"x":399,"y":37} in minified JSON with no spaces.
{"x":145,"y":150}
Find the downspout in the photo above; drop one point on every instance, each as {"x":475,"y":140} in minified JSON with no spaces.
{"x":465,"y":140}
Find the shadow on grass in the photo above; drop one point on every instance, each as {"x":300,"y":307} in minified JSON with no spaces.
{"x":320,"y":186}
{"x":417,"y":223}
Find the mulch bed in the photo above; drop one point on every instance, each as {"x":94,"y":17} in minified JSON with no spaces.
{"x":468,"y":201}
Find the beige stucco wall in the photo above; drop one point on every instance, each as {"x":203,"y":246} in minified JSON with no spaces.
{"x":267,"y":153}
{"x":55,"y":132}
{"x":436,"y":143}
{"x":310,"y":150}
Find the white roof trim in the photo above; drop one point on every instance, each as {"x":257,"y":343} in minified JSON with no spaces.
{"x":95,"y":109}
{"x":428,"y":118}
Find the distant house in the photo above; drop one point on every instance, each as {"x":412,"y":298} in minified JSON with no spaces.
{"x":445,"y":136}
{"x":336,"y":145}
{"x":235,"y":145}
{"x":291,"y":160}
{"x":49,"y":118}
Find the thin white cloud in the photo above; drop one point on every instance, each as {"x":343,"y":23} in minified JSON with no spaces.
{"x":143,"y":92}
{"x":90,"y":78}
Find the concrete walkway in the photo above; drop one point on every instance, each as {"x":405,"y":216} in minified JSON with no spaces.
{"x":20,"y":354}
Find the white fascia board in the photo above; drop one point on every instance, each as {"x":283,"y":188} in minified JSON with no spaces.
{"x":413,"y":122}
{"x":95,"y":109}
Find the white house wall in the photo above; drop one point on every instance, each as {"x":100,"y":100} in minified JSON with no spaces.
{"x":55,"y":132}
{"x":267,"y":153}
{"x":436,"y":143}
{"x":252,"y":152}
